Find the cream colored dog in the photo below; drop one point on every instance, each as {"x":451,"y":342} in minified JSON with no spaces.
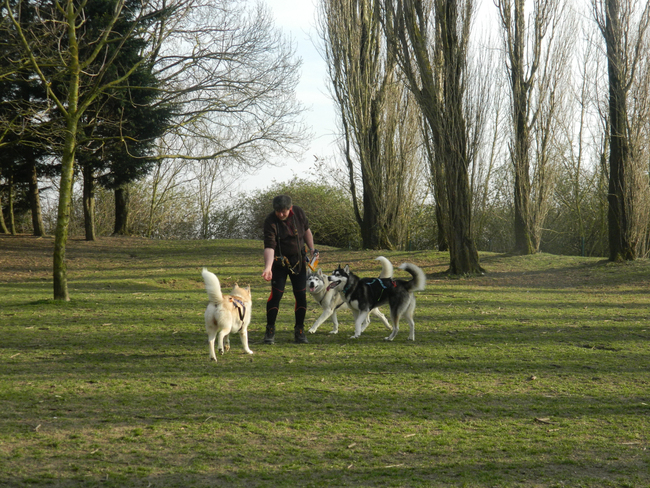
{"x":226,"y":314}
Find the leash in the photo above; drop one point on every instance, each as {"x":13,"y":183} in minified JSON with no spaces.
{"x":284,"y":261}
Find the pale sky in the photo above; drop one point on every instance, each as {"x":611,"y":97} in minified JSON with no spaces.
{"x":297,"y":19}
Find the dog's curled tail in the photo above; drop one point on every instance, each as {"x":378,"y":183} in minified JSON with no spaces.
{"x":212,"y":286}
{"x":419,"y":278}
{"x":386,"y":267}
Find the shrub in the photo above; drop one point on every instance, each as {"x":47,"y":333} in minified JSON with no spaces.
{"x":331,"y":217}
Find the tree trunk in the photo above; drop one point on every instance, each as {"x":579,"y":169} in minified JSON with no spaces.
{"x":3,"y":224}
{"x":10,"y":207}
{"x":59,"y":267}
{"x":439,"y":88}
{"x":89,"y":203}
{"x":463,"y":255}
{"x":369,"y":225}
{"x":121,"y":211}
{"x":520,"y":155}
{"x":363,"y":72}
{"x":438,"y":183}
{"x":621,"y":245}
{"x":452,"y":145}
{"x":35,"y":201}
{"x":443,"y":242}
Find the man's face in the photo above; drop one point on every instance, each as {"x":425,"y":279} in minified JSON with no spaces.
{"x":283,"y":214}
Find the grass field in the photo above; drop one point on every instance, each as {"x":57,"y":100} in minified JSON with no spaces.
{"x":534,"y":375}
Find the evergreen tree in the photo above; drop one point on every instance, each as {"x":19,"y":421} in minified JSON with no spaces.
{"x":121,"y":127}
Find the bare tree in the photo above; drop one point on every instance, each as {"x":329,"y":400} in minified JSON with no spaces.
{"x":431,"y":39}
{"x":162,"y":186}
{"x":404,"y":167}
{"x":377,"y":116}
{"x":164,"y":204}
{"x":487,"y":90}
{"x":210,"y":182}
{"x":639,"y":133}
{"x":232,"y":75}
{"x":3,"y":224}
{"x":624,"y":25}
{"x":56,"y":40}
{"x":577,"y":193}
{"x":537,"y":57}
{"x":437,"y":187}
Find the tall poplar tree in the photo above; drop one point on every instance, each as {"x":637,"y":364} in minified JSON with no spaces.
{"x":624,"y":25}
{"x":432,"y":39}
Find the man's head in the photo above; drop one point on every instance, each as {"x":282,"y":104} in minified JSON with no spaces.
{"x":282,"y":206}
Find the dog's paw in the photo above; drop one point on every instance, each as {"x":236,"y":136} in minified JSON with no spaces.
{"x":249,"y":352}
{"x":312,"y":330}
{"x":334,"y":331}
{"x":354,"y":337}
{"x":389,"y":338}
{"x":221,"y":351}
{"x":226,"y":347}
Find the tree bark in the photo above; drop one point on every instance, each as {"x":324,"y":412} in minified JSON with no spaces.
{"x":10,"y":206}
{"x":89,"y":203}
{"x":121,"y":211}
{"x":35,"y":201}
{"x":3,"y":224}
{"x":621,"y":246}
{"x":443,"y":242}
{"x":59,"y":266}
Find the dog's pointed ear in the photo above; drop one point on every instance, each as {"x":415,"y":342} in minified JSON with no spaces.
{"x":319,"y":272}
{"x":347,"y":268}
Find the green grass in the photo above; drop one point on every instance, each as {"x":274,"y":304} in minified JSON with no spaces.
{"x":534,"y":375}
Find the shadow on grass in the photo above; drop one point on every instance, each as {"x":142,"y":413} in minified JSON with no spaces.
{"x":439,"y":472}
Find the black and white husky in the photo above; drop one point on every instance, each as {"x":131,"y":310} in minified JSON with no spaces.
{"x":332,"y":300}
{"x":365,"y":294}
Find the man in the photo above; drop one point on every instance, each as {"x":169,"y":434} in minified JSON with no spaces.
{"x":286,"y":231}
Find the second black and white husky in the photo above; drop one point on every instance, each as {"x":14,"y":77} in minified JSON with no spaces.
{"x":366,"y":294}
{"x":331,"y":300}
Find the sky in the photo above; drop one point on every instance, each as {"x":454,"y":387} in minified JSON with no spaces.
{"x":297,"y":19}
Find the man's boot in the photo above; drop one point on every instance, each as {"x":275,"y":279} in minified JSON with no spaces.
{"x":269,"y":335}
{"x":299,"y":335}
